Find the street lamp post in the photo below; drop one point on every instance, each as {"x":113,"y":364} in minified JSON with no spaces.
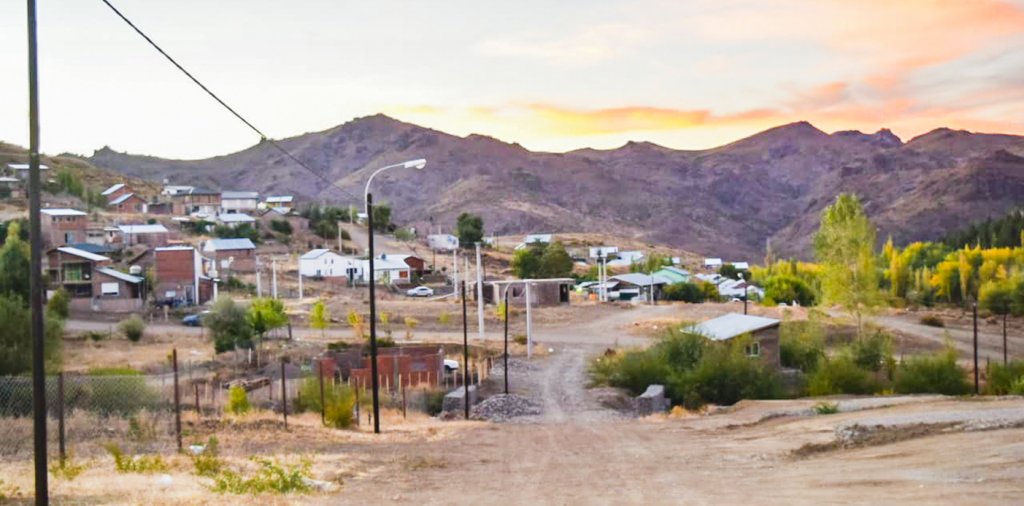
{"x":974,"y":307}
{"x":746,"y":292}
{"x":368,"y":207}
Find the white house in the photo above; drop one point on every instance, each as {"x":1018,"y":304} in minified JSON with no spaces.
{"x":232,"y":202}
{"x":387,"y":269}
{"x":173,"y":189}
{"x":235,"y":219}
{"x":712,"y":263}
{"x":443,"y":242}
{"x":276,"y":201}
{"x":324,"y":263}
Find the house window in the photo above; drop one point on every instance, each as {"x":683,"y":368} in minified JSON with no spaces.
{"x":69,"y":237}
{"x":754,"y":349}
{"x":110,"y":289}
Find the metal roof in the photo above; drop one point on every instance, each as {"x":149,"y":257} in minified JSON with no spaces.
{"x":143,"y":229}
{"x":82,"y":253}
{"x":121,"y":199}
{"x":112,"y":189}
{"x":228,"y":244}
{"x":708,"y":262}
{"x":62,"y":212}
{"x":280,"y":199}
{"x":532,"y":238}
{"x":732,"y":325}
{"x":119,"y":275}
{"x":91,"y":248}
{"x":640,"y":279}
{"x":741,"y":265}
{"x":24,"y":166}
{"x":239,"y":195}
{"x":236,"y":218}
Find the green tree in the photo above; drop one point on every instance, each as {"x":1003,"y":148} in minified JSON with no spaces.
{"x":58,"y":304}
{"x":318,"y":317}
{"x":786,"y":288}
{"x":470,"y":229}
{"x":266,"y":314}
{"x":526,"y":262}
{"x":16,"y":337}
{"x":228,"y":325}
{"x":382,"y":216}
{"x":555,"y":262}
{"x":729,"y":271}
{"x":844,"y":246}
{"x":14,"y":264}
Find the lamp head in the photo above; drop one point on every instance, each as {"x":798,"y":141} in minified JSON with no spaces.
{"x":415,"y":164}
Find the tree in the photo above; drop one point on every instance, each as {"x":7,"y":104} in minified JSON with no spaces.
{"x":729,"y":271}
{"x":381,"y":216}
{"x":844,"y":246}
{"x":16,"y":337}
{"x":555,"y":262}
{"x":14,"y":264}
{"x":132,"y":327}
{"x":318,"y":317}
{"x":526,"y":263}
{"x":469,"y":228}
{"x":786,"y":288}
{"x":58,"y":304}
{"x":997,"y":297}
{"x":686,"y":292}
{"x":266,"y":314}
{"x":228,"y":325}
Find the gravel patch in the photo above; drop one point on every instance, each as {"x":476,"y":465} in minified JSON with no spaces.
{"x":503,"y":408}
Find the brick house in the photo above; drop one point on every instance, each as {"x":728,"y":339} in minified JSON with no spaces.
{"x":91,"y":283}
{"x":154,"y":235}
{"x":63,"y":226}
{"x":196,"y":201}
{"x":231,"y":255}
{"x":763,"y":332}
{"x":178,"y":273}
{"x":128,"y":203}
{"x":116,"y":191}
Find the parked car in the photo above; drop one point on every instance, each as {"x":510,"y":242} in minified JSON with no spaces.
{"x":194,"y":320}
{"x":451,"y":365}
{"x":420,"y":291}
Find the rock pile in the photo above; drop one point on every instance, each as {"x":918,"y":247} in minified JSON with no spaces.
{"x":502,"y":408}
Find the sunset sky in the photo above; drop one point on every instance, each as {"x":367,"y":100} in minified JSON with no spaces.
{"x":550,"y":75}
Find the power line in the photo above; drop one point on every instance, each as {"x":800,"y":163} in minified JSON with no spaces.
{"x":263,"y":137}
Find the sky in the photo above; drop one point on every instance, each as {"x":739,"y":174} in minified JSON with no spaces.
{"x":552,"y":76}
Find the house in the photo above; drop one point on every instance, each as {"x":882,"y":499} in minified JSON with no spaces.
{"x":128,"y":203}
{"x":171,"y":190}
{"x":91,"y":283}
{"x":278,"y":201}
{"x":324,"y":263}
{"x":151,"y":235}
{"x":712,"y":264}
{"x":63,"y":226}
{"x":535,"y":239}
{"x":196,"y":200}
{"x":387,"y":269}
{"x":626,"y":259}
{"x":764,"y":333}
{"x":179,"y":276}
{"x":96,"y":234}
{"x":115,"y":191}
{"x":635,"y":284}
{"x":238,"y":202}
{"x":21,"y":170}
{"x":234,"y":255}
{"x":741,"y":266}
{"x":235,"y":219}
{"x":443,"y":242}
{"x":543,"y":292}
{"x":603,"y":251}
{"x":674,"y":274}
{"x":10,"y":187}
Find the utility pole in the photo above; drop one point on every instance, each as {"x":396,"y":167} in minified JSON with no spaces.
{"x":974,"y":306}
{"x":259,"y":285}
{"x":375,"y":380}
{"x":455,"y":271}
{"x":300,"y":282}
{"x":529,"y":320}
{"x":36,"y":268}
{"x":479,"y":293}
{"x":273,"y":279}
{"x":465,"y":354}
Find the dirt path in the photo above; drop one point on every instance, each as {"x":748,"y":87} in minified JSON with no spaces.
{"x":990,"y":345}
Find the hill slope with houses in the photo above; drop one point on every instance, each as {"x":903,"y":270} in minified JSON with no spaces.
{"x":726,"y":200}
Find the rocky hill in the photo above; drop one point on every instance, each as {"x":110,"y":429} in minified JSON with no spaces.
{"x":724,"y":201}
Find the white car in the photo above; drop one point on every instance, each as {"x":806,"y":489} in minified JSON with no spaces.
{"x":451,"y":365}
{"x":420,"y":291}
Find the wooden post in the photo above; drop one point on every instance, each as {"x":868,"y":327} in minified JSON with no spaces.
{"x":284,"y":396}
{"x":196,"y":386}
{"x":357,"y":403}
{"x":60,"y":416}
{"x":404,"y":405}
{"x":177,"y":398}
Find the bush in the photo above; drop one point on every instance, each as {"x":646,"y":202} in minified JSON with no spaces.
{"x":340,"y":399}
{"x":686,"y":292}
{"x":133,"y":327}
{"x":932,"y":321}
{"x":932,"y":374}
{"x":281,"y":226}
{"x":67,"y":469}
{"x":269,"y":477}
{"x":228,"y":325}
{"x":801,"y":345}
{"x":238,"y":401}
{"x":786,"y":288}
{"x":841,"y":375}
{"x":145,"y":464}
{"x":874,"y":352}
{"x":520,"y":339}
{"x":95,"y":335}
{"x":725,"y":375}
{"x":435,"y":401}
{"x":826,"y":408}
{"x":1002,"y":378}
{"x":58,"y":304}
{"x":208,"y":462}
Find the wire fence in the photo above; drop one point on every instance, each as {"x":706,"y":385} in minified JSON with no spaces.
{"x":145,"y":413}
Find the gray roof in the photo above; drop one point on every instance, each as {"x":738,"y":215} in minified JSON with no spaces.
{"x":121,"y":199}
{"x":228,"y":244}
{"x":83,"y":254}
{"x":239,"y":195}
{"x":313,"y":254}
{"x":119,"y":275}
{"x":732,"y":325}
{"x":155,"y":228}
{"x":639,"y":279}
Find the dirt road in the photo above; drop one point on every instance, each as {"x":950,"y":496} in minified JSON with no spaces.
{"x":990,"y":345}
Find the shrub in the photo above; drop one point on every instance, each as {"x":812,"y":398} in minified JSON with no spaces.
{"x":826,"y":408}
{"x":58,"y":304}
{"x":435,"y":401}
{"x":208,"y":462}
{"x":932,"y":374}
{"x":95,"y":335}
{"x":841,"y":375}
{"x":133,"y":327}
{"x":340,"y":399}
{"x":358,"y":324}
{"x":145,"y":464}
{"x":520,"y":339}
{"x":67,"y":469}
{"x":269,"y":477}
{"x":410,"y":325}
{"x":281,"y":226}
{"x":724,"y":375}
{"x":228,"y":325}
{"x":238,"y":401}
{"x":686,"y":292}
{"x":932,"y":321}
{"x":873,"y":352}
{"x":801,"y":345}
{"x":1017,"y":388}
{"x":444,"y":318}
{"x":1001,"y":378}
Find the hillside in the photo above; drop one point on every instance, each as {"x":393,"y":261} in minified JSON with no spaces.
{"x":724,"y":201}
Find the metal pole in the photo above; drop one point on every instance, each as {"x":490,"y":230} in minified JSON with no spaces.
{"x":479,"y":293}
{"x":373,"y":321}
{"x":974,"y":305}
{"x":506,"y":339}
{"x":60,"y":416}
{"x":746,"y":295}
{"x":273,"y":280}
{"x":177,"y":398}
{"x":465,"y":353}
{"x":36,"y":268}
{"x":1005,"y":355}
{"x":284,"y":396}
{"x":323,"y":406}
{"x":529,"y":321}
{"x":300,"y":282}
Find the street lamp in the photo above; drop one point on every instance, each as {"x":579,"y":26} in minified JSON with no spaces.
{"x":368,"y":206}
{"x":746,"y":292}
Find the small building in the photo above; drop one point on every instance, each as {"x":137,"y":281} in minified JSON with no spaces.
{"x":10,"y":187}
{"x":239,"y":202}
{"x":764,"y":333}
{"x":172,"y":189}
{"x":417,"y":264}
{"x":405,"y":365}
{"x":674,"y":274}
{"x":635,"y":284}
{"x":543,"y":292}
{"x":21,"y":170}
{"x":235,"y":219}
{"x":128,"y":203}
{"x":115,"y":191}
{"x":194,"y":200}
{"x":63,"y":226}
{"x":151,"y":235}
{"x":387,"y":269}
{"x":599,"y":252}
{"x":535,"y":239}
{"x":324,"y":263}
{"x":712,"y":264}
{"x":91,"y":283}
{"x":443,"y":242}
{"x":179,"y":276}
{"x":231,"y":255}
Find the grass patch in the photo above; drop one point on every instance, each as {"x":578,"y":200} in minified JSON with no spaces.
{"x":67,"y":469}
{"x":143,"y":464}
{"x":270,"y":477}
{"x":826,"y":408}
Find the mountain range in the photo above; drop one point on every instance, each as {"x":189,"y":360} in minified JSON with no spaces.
{"x":726,"y":201}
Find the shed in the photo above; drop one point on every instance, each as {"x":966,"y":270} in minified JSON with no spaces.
{"x":763,"y":331}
